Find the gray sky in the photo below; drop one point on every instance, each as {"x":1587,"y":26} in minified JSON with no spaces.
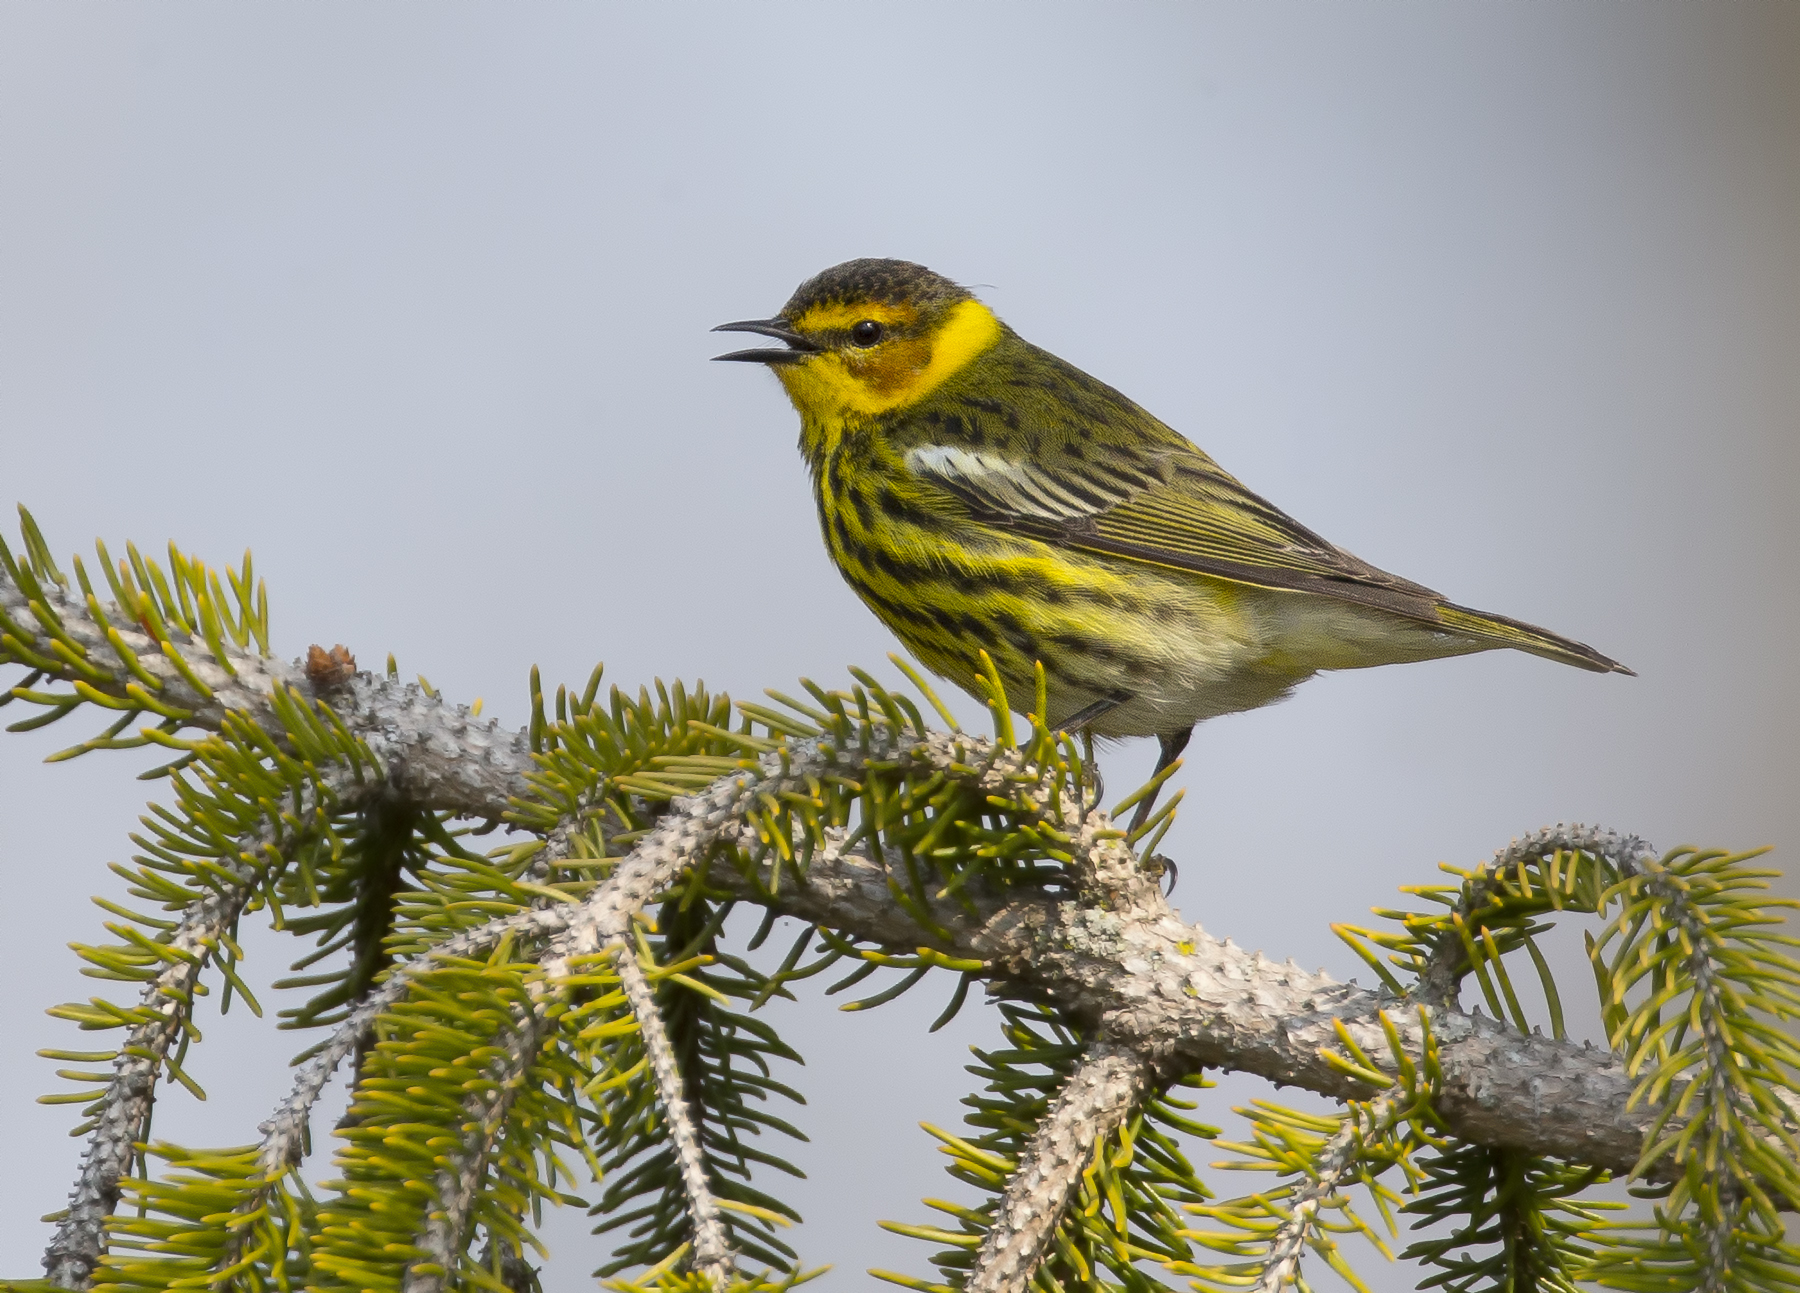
{"x":414,"y":301}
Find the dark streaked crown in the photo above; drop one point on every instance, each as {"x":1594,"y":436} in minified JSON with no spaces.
{"x":874,"y":279}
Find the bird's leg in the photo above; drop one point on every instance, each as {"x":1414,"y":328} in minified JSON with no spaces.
{"x":1091,"y":766}
{"x":1080,"y":721}
{"x":1172,"y":743}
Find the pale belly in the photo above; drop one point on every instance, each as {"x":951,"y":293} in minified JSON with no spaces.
{"x":1282,"y":639}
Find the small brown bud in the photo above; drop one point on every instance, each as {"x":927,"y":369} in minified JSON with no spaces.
{"x":327,"y":670}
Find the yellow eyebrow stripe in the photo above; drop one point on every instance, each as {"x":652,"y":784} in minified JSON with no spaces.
{"x":842,"y":314}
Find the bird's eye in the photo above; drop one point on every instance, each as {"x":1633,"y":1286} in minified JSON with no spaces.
{"x":866,"y":333}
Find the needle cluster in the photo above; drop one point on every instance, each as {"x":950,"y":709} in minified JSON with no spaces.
{"x":559,"y":1016}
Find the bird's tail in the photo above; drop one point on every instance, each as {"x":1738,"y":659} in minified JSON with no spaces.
{"x":1525,"y":637}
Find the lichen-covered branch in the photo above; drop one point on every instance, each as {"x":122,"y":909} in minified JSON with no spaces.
{"x":457,"y":1184}
{"x":1095,"y":1101}
{"x":1336,"y":1161}
{"x":712,"y":1258}
{"x":126,"y":1104}
{"x":1448,"y":962}
{"x":435,"y":753}
{"x":75,"y":1248}
{"x":1188,"y":1000}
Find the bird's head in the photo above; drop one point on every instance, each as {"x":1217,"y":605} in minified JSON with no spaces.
{"x":869,"y":336}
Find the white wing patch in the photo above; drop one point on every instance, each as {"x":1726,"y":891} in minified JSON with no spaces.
{"x":1001,"y":483}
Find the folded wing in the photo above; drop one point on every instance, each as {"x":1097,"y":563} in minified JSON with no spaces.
{"x":1159,"y":500}
{"x":1165,"y":505}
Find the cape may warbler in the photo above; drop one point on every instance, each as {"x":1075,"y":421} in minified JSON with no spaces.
{"x":981,"y":494}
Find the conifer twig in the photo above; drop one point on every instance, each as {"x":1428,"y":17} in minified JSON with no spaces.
{"x":458,"y":1183}
{"x":284,"y":1131}
{"x":76,"y":1246}
{"x":1727,"y":1106}
{"x":1336,"y":1160}
{"x":712,"y":1255}
{"x":1094,"y":1102}
{"x":1438,"y":981}
{"x":436,"y":753}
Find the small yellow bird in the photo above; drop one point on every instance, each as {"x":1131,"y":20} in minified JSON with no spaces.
{"x":981,"y":494}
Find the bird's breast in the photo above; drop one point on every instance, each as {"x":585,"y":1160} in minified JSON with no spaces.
{"x":952,"y":587}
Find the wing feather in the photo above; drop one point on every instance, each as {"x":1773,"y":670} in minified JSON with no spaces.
{"x":1068,"y":459}
{"x":1172,"y":507}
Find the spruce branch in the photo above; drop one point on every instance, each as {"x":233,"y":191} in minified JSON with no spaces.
{"x":1095,"y":1101}
{"x":261,"y":858}
{"x":726,"y":1084}
{"x":1182,"y":996}
{"x":1708,"y":1039}
{"x":435,"y":753}
{"x":1726,"y":1106}
{"x":1448,"y":960}
{"x":1127,"y":1192}
{"x":1698,"y":1000}
{"x":446,"y":1231}
{"x":1193,"y":1001}
{"x":1135,"y":970}
{"x":284,"y":1131}
{"x":1336,"y":1163}
{"x":164,"y":1007}
{"x":457,"y":1185}
{"x":1529,"y":1214}
{"x":600,"y":926}
{"x":1320,"y":1158}
{"x":125,"y":1106}
{"x":908,"y":848}
{"x":712,"y":1255}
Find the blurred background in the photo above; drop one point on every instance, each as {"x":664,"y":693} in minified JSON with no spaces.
{"x":414,"y":300}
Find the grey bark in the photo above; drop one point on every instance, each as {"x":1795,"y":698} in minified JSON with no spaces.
{"x":434,"y":752}
{"x":457,"y":1184}
{"x":75,"y":1248}
{"x":1095,"y":1101}
{"x":713,"y":1257}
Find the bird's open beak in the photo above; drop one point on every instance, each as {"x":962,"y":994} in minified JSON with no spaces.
{"x":798,"y":346}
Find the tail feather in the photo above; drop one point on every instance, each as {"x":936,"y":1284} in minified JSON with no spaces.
{"x":1526,"y":637}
